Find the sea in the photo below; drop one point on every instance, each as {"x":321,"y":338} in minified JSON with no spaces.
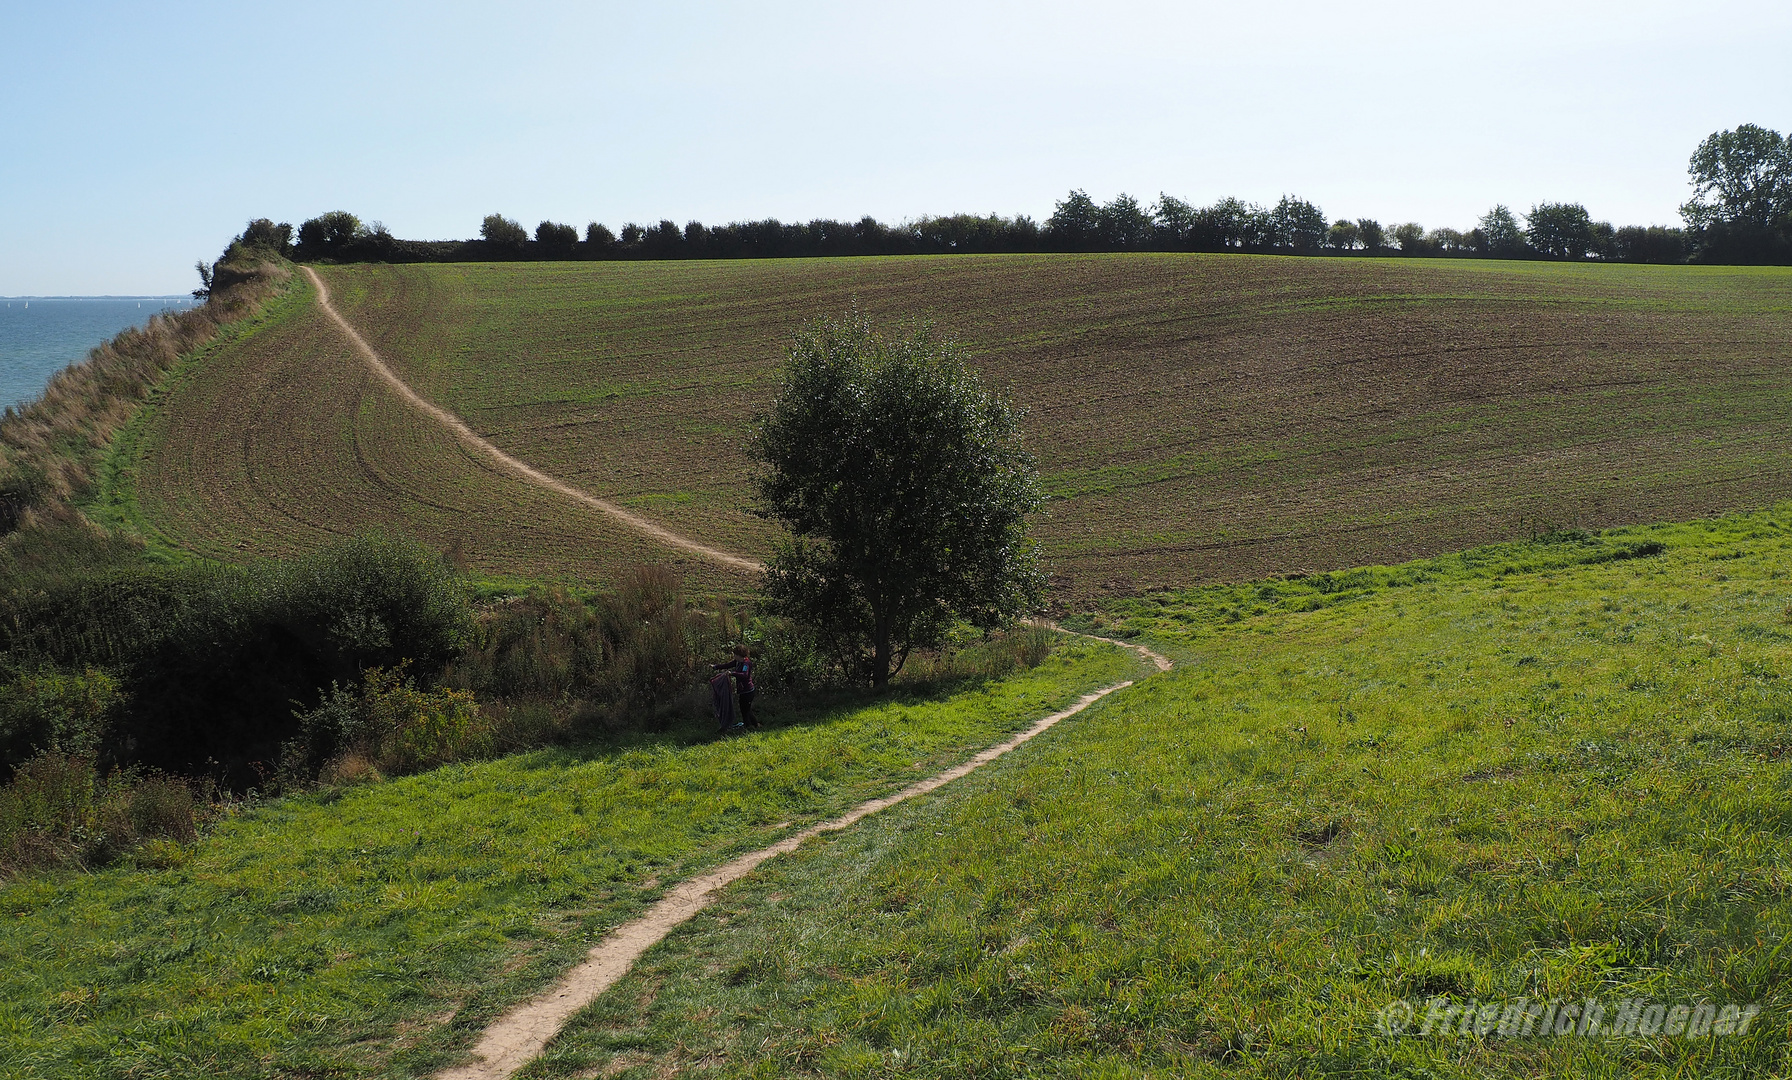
{"x":41,"y":335}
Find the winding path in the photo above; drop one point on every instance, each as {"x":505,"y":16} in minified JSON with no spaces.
{"x":504,"y":462}
{"x":518,"y":1036}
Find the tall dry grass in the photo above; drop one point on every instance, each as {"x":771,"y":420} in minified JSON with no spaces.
{"x":51,"y":447}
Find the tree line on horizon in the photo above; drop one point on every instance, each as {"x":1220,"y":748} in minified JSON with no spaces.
{"x":1741,"y":212}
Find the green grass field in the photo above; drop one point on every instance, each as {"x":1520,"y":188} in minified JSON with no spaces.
{"x":1552,"y":771}
{"x":1196,"y":417}
{"x":373,"y":931}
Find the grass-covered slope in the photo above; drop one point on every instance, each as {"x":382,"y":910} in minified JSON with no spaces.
{"x":1195,"y":416}
{"x":374,"y":931}
{"x":1544,"y":771}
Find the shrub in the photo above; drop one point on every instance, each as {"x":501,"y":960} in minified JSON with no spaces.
{"x":389,"y":725}
{"x":263,"y":234}
{"x":54,"y":710}
{"x":372,"y":600}
{"x":213,"y":657}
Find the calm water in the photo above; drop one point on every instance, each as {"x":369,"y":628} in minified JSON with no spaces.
{"x":41,"y":337}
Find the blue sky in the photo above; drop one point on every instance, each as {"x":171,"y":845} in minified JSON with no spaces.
{"x":139,"y":138}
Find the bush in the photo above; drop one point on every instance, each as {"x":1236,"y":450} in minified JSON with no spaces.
{"x":53,"y":710}
{"x":390,"y":725}
{"x":212,"y":657}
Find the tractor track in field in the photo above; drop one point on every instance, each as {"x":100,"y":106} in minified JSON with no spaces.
{"x":519,"y":1035}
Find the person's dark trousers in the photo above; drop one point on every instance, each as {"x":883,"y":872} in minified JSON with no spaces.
{"x":746,"y":708}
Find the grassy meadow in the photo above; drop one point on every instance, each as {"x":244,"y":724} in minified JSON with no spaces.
{"x":1551,"y":770}
{"x":1197,"y":417}
{"x":374,"y":930}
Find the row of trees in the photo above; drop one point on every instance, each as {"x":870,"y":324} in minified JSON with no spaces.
{"x":1295,"y":226}
{"x":1741,"y":211}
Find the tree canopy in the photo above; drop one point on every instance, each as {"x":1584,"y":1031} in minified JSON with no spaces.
{"x":1741,"y":176}
{"x":1561,"y":230}
{"x":327,"y":235}
{"x":906,"y":491}
{"x":506,"y":232}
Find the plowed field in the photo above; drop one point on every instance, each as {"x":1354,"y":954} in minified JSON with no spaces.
{"x":1196,"y":417}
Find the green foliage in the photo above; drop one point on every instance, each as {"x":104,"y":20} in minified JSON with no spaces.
{"x":1371,"y":232}
{"x":1123,"y":225}
{"x":55,"y":710}
{"x":211,"y":657}
{"x":1654,"y":244}
{"x":390,"y":724}
{"x":1409,"y":237}
{"x":1297,"y":224}
{"x":262,"y":234}
{"x":556,"y":238}
{"x":1560,"y":230}
{"x":329,"y":235}
{"x":1742,"y":176}
{"x":1502,"y":236}
{"x":620,"y":656}
{"x":1075,"y":224}
{"x":501,"y":231}
{"x":906,"y":489}
{"x":371,"y":600}
{"x":332,"y":933}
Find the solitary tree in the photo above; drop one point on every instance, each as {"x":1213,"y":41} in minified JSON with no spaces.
{"x":906,"y":491}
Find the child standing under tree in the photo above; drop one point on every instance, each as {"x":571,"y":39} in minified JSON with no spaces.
{"x":741,"y":667}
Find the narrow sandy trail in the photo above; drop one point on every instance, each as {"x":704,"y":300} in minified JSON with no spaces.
{"x":519,"y":1035}
{"x":509,"y":465}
